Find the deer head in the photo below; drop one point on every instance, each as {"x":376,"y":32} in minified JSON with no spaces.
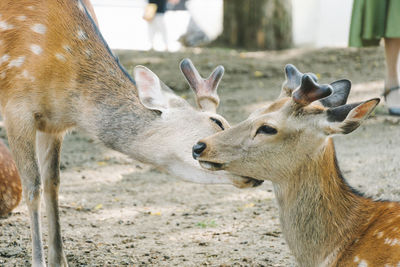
{"x":276,"y":140}
{"x":169,"y":138}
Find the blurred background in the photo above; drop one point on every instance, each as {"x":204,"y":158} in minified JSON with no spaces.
{"x":286,"y":23}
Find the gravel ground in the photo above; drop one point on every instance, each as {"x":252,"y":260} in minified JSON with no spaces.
{"x":116,"y":211}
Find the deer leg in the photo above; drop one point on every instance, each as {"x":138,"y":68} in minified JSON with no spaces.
{"x":21,"y":136}
{"x":48,"y":150}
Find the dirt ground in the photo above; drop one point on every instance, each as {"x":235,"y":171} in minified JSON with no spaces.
{"x":116,"y":211}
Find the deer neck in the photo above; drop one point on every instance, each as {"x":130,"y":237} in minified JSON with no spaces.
{"x":106,"y":98}
{"x":119,"y":125}
{"x":319,"y":212}
{"x":111,"y":111}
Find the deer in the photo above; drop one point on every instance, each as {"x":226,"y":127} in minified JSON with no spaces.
{"x":10,"y":183}
{"x":57,"y":73}
{"x":325,"y":221}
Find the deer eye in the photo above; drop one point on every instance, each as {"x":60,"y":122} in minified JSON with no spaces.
{"x":265,"y":129}
{"x":218,"y":122}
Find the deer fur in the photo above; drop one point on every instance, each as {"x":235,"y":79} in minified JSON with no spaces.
{"x":10,"y":183}
{"x":57,"y":73}
{"x":325,"y":222}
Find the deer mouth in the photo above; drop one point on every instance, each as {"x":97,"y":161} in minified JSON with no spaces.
{"x":252,"y":181}
{"x":214,"y":166}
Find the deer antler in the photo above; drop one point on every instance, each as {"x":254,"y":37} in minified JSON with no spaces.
{"x":293,"y":80}
{"x":205,"y":89}
{"x":309,"y":91}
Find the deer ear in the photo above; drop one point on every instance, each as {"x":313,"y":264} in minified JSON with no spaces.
{"x":149,"y":89}
{"x":345,"y":119}
{"x":341,"y":91}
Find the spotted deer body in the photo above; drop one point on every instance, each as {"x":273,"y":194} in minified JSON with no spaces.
{"x":10,"y":183}
{"x":56,"y":73}
{"x":325,"y":222}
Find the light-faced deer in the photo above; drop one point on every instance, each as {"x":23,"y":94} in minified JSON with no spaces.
{"x":325,"y":222}
{"x":56,"y":73}
{"x":10,"y":183}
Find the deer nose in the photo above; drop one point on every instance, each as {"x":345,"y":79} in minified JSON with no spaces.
{"x":198,"y":149}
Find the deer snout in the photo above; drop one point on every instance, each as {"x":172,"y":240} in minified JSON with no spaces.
{"x":198,"y":149}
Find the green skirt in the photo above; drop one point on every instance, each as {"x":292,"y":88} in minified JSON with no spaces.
{"x":372,"y":20}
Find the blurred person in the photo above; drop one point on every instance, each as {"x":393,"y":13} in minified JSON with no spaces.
{"x":194,"y":35}
{"x":156,"y":23}
{"x":176,"y":5}
{"x":372,"y":20}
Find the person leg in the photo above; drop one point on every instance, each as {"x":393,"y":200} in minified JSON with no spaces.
{"x":159,"y":27}
{"x":163,"y":30}
{"x":151,"y":26}
{"x":392,"y":83}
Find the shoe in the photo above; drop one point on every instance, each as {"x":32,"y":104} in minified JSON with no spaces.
{"x":395,"y":109}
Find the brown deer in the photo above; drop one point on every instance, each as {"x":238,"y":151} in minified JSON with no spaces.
{"x":10,"y":183}
{"x":56,"y":73}
{"x":325,"y":222}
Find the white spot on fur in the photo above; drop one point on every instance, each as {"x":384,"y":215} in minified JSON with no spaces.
{"x":36,"y":49}
{"x":392,"y":241}
{"x":388,"y":265}
{"x":379,"y":235}
{"x":330,"y":258}
{"x":16,"y":62}
{"x":2,"y":75}
{"x":60,"y":57}
{"x":30,"y":7}
{"x":5,"y":26}
{"x":356,"y":259}
{"x":82,"y":35}
{"x":4,"y":58}
{"x":39,"y":28}
{"x":363,"y":263}
{"x":21,"y":18}
{"x":26,"y":75}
